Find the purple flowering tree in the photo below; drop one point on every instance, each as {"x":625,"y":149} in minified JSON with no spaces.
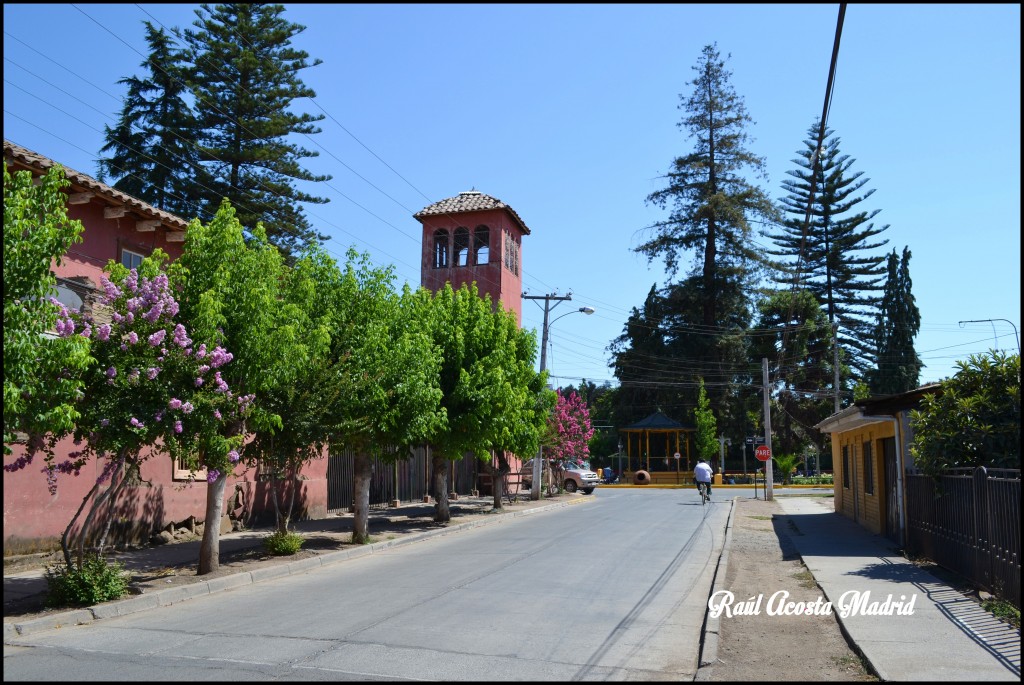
{"x":569,"y":431}
{"x":151,"y":391}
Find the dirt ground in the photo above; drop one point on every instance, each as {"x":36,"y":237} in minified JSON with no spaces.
{"x":781,"y":648}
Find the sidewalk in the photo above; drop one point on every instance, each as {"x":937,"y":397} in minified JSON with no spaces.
{"x":948,"y":636}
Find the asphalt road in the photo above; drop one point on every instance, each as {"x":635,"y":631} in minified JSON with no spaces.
{"x":614,"y":588}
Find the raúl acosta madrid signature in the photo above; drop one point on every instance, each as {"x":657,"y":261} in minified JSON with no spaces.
{"x":851,"y":603}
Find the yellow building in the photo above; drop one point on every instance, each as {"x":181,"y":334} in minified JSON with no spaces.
{"x":870,"y":454}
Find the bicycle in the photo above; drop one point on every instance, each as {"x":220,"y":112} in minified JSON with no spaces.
{"x":702,"y":488}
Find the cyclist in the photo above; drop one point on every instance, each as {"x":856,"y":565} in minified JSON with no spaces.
{"x":702,"y":474}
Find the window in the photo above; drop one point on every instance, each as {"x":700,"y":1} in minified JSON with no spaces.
{"x":511,"y":253}
{"x":846,"y":466}
{"x":481,"y":245}
{"x":869,"y":471}
{"x":130,"y":259}
{"x":461,"y":246}
{"x":440,"y":249}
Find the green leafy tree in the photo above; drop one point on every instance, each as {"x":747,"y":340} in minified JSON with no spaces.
{"x":382,"y":340}
{"x":245,"y":81}
{"x":151,"y":149}
{"x":712,"y":203}
{"x":793,"y":333}
{"x":521,"y":402}
{"x":974,"y":420}
{"x":42,"y":381}
{"x":232,"y":292}
{"x":312,"y":407}
{"x":832,"y":254}
{"x":706,"y":437}
{"x":475,"y":346}
{"x":899,"y":320}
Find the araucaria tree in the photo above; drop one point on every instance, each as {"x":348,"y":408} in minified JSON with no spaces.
{"x":151,"y":150}
{"x":244,"y":79}
{"x":832,"y":254}
{"x":898,"y":367}
{"x":42,"y":375}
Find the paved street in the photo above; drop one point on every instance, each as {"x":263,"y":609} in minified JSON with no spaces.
{"x":614,"y":588}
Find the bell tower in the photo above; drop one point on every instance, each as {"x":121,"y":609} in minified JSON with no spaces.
{"x":474,"y":237}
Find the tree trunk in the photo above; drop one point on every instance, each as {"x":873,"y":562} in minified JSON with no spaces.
{"x":497,"y":482}
{"x":116,"y":491}
{"x":361,"y":498}
{"x":209,"y":550}
{"x":67,"y":531}
{"x":97,"y":504}
{"x":442,"y":514}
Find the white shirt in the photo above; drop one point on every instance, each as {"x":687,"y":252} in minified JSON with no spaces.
{"x":703,"y":473}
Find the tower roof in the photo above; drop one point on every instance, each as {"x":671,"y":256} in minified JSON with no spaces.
{"x":469,"y":201}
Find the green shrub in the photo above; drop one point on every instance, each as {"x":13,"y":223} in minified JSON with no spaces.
{"x":283,"y":544}
{"x":96,"y":581}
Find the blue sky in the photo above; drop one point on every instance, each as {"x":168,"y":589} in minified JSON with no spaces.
{"x":568,"y":113}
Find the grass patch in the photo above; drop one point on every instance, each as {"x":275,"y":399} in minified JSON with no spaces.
{"x":855,"y":663}
{"x":806,"y":579}
{"x":1002,"y":610}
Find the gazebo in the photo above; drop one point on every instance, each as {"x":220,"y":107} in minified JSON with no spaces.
{"x":659,"y":437}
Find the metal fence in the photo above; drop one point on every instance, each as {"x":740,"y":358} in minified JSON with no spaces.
{"x":406,"y":480}
{"x":968,"y":520}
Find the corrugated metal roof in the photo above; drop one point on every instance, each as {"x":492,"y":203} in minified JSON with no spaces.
{"x":80,"y":182}
{"x":469,"y":201}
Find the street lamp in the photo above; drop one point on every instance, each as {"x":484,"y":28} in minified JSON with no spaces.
{"x":535,"y":487}
{"x":992,"y":321}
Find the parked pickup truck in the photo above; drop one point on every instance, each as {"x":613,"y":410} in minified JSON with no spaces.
{"x":575,"y":477}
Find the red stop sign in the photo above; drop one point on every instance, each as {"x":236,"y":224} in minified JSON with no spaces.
{"x":763,"y":452}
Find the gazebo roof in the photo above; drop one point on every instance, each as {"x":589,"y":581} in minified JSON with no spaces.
{"x":657,"y":422}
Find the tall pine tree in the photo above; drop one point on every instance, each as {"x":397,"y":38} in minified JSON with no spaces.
{"x":245,"y":79}
{"x":712,"y":203}
{"x":151,"y":149}
{"x":833,"y":257}
{"x":899,"y":367}
{"x":712,"y":207}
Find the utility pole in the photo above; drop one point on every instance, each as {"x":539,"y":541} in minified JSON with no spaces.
{"x":768,"y":476}
{"x":558,"y":299}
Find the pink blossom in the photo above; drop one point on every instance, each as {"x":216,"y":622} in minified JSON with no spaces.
{"x":157,"y":337}
{"x":177,"y":427}
{"x":233,"y":456}
{"x":174,"y":403}
{"x":103,"y":332}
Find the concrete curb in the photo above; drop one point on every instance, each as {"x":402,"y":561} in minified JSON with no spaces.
{"x":712,"y":624}
{"x":169,"y":596}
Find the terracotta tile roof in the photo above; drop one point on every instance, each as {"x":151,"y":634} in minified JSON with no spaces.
{"x":83,"y":182}
{"x":470,"y":201}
